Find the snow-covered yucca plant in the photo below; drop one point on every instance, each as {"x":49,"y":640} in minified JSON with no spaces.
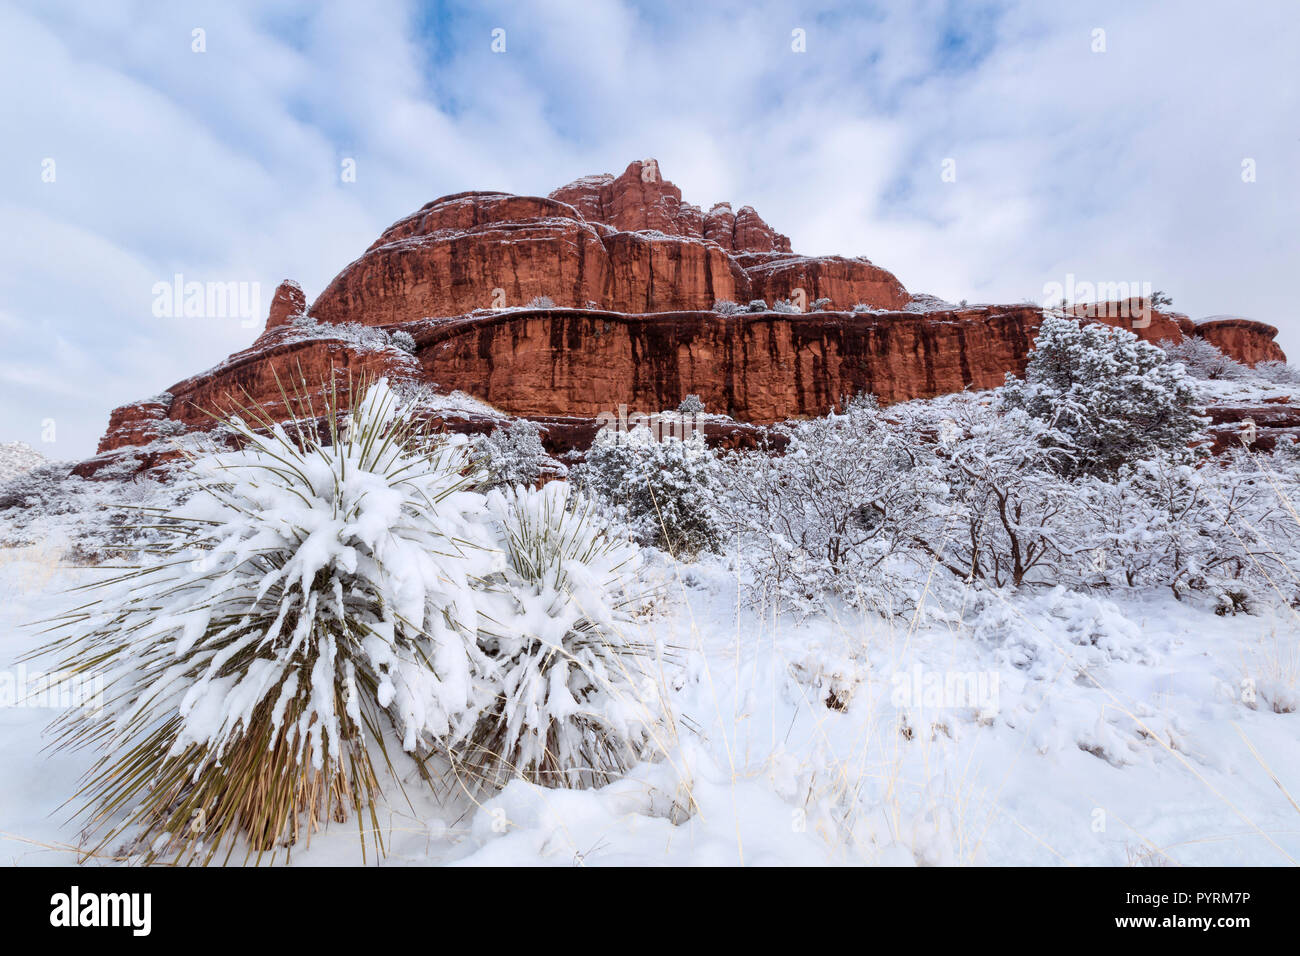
{"x":316,"y":587}
{"x":578,"y":690}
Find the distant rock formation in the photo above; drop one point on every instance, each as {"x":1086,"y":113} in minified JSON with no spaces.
{"x":603,"y":294}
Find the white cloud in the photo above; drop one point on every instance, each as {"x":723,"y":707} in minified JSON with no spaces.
{"x":225,"y":165}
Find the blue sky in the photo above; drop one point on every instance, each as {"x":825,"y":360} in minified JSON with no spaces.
{"x":1122,"y":165}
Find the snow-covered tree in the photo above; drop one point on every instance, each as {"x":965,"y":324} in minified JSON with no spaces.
{"x":1007,"y":518}
{"x":691,"y":405}
{"x":828,"y":514}
{"x":664,"y":490}
{"x":1108,"y":397}
{"x":513,"y":455}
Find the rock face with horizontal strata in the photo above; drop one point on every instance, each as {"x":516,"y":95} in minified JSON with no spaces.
{"x":633,"y":273}
{"x":1244,"y":339}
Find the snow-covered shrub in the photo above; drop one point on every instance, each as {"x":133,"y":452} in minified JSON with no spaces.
{"x":1278,"y":373}
{"x":727,"y":307}
{"x":786,"y":306}
{"x":541,"y":302}
{"x":1204,"y":360}
{"x":578,"y":696}
{"x":361,"y":336}
{"x":861,"y":307}
{"x":1107,"y":397}
{"x":757,"y":305}
{"x":514,"y":455}
{"x":313,"y":589}
{"x":41,"y":487}
{"x":664,"y":491}
{"x":821,"y":305}
{"x":828,"y":515}
{"x":423,"y":398}
{"x":1224,"y":529}
{"x":1007,"y":517}
{"x":97,"y":520}
{"x":1247,"y":531}
{"x":692,"y":404}
{"x":403,"y":340}
{"x":17,"y":458}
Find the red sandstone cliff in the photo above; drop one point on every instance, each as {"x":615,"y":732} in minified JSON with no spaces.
{"x":633,"y":274}
{"x":1244,"y":339}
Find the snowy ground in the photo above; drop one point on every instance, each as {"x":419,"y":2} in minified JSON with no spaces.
{"x":1073,"y":730}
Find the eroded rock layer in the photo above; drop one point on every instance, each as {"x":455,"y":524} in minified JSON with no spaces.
{"x":604,"y":294}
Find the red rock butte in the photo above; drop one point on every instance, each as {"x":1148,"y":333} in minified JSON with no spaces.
{"x":603,"y":294}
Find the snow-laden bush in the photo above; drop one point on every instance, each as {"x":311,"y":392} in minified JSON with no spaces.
{"x":579,"y":694}
{"x":861,"y":307}
{"x":1204,"y":360}
{"x":821,"y":305}
{"x":692,"y":404}
{"x":1222,"y":530}
{"x":1278,"y":373}
{"x":99,"y":519}
{"x":42,"y":487}
{"x":514,"y":455}
{"x":757,"y":305}
{"x":727,"y":307}
{"x":366,"y":337}
{"x":1107,"y":397}
{"x":786,"y":306}
{"x":665,"y":491}
{"x":828,"y":515}
{"x":1006,"y":518}
{"x":541,"y":302}
{"x":314,"y":589}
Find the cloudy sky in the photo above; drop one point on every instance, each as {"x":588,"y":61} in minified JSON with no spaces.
{"x":127,"y":156}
